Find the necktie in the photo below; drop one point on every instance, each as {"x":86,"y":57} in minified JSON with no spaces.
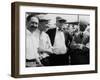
{"x":81,"y":35}
{"x":60,"y":29}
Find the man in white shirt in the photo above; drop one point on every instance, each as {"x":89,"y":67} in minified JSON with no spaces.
{"x":58,"y":41}
{"x":45,"y":47}
{"x":32,"y":42}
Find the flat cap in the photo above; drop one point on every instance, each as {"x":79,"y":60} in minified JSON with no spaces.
{"x":43,"y":18}
{"x":60,"y":18}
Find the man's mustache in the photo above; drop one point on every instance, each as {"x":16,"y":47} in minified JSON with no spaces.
{"x":32,"y":26}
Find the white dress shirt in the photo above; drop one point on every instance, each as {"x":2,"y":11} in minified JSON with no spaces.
{"x":32,"y":44}
{"x":45,"y":44}
{"x":59,"y":43}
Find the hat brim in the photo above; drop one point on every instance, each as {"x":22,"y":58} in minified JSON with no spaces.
{"x":44,"y":20}
{"x":62,"y":20}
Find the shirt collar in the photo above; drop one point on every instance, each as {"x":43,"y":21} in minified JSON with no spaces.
{"x":58,"y":29}
{"x":36,"y":32}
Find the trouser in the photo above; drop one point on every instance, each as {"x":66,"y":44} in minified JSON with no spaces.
{"x":79,"y":56}
{"x":58,"y":59}
{"x":46,"y":61}
{"x":31,"y":63}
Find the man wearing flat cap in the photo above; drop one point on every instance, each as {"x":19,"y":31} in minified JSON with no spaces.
{"x":80,"y":46}
{"x":45,"y":47}
{"x":59,"y":40}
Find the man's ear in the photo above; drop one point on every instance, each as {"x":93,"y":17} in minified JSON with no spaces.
{"x":27,"y":24}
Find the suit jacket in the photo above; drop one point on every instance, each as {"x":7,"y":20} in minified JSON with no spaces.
{"x":52,"y":33}
{"x":79,"y":40}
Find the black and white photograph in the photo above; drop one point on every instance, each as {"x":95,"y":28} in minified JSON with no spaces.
{"x":52,"y":39}
{"x":57,"y":39}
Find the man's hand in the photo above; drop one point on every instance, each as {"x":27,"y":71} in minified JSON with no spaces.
{"x":81,"y":46}
{"x":40,"y":50}
{"x":59,"y":51}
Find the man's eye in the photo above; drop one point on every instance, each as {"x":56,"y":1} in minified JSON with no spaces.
{"x":34,"y":23}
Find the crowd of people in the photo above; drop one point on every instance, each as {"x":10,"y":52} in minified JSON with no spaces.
{"x":65,"y":44}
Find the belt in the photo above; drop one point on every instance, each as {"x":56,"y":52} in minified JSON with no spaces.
{"x":30,"y":60}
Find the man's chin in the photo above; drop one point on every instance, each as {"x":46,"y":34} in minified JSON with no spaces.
{"x":33,"y":29}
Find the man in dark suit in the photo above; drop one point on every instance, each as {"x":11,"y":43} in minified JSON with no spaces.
{"x":60,"y":41}
{"x":79,"y":51}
